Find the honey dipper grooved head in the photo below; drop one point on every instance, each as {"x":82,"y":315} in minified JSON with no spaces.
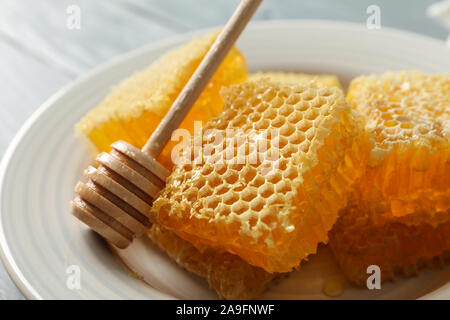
{"x":116,"y":201}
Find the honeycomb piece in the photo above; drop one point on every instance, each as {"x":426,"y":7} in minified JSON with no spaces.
{"x":227,"y":274}
{"x":395,"y":247}
{"x":134,"y":108}
{"x":322,"y":80}
{"x":270,"y":210}
{"x":408,"y":117}
{"x":399,"y":217}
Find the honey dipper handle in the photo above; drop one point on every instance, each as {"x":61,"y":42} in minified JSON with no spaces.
{"x":201,"y":77}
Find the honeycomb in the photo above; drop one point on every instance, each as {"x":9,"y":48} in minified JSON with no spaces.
{"x":408,"y":118}
{"x":134,"y":108}
{"x":399,"y":215}
{"x":227,"y":274}
{"x":272,"y":211}
{"x":323,"y":80}
{"x":395,"y":247}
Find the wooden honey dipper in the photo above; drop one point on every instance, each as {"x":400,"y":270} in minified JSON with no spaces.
{"x":117,"y":199}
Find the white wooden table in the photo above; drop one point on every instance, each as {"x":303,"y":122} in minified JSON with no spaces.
{"x":39,"y":54}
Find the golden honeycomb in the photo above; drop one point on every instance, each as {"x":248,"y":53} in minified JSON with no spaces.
{"x":408,"y":117}
{"x":227,"y":274}
{"x":323,"y":80}
{"x":134,"y":108}
{"x":270,"y":211}
{"x":399,"y":215}
{"x":395,"y":247}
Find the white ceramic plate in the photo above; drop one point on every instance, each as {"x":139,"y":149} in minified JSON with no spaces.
{"x":40,"y":239}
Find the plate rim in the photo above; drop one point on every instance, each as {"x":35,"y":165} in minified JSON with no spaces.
{"x":6,"y":256}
